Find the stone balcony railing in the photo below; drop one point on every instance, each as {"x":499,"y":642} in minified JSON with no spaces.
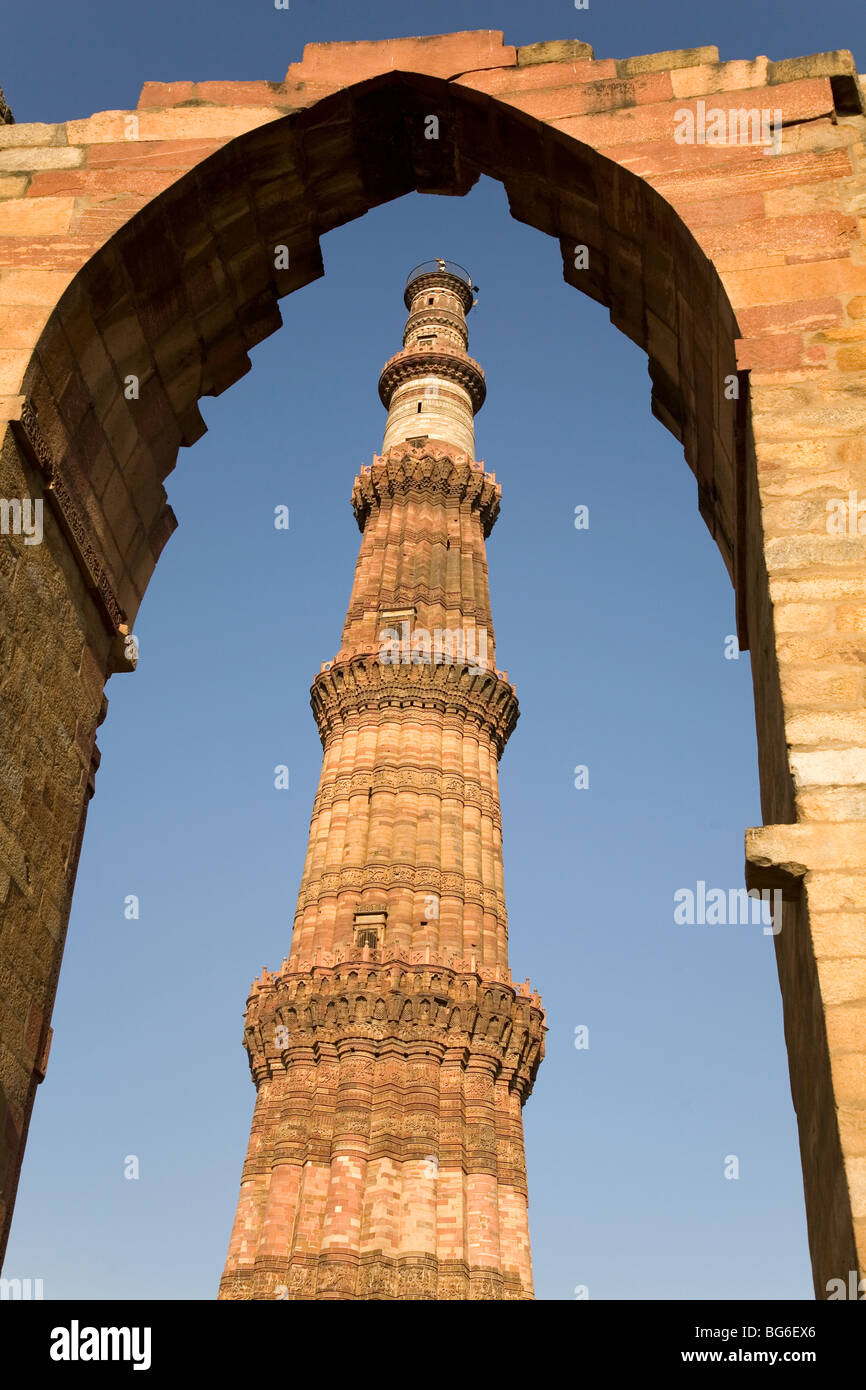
{"x":322,"y":960}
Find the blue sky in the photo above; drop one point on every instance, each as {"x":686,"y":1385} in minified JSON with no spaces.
{"x":615,"y":640}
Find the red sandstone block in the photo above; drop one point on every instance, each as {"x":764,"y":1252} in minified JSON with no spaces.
{"x":288,"y":96}
{"x":50,"y":217}
{"x":156,"y":95}
{"x":687,"y":168}
{"x":82,"y":181}
{"x":36,"y":287}
{"x":759,"y":173}
{"x":657,"y":160}
{"x":438,"y":55}
{"x":242,"y":93}
{"x":497,"y":81}
{"x":815,"y":254}
{"x":832,"y":233}
{"x":705,"y":79}
{"x":797,"y":101}
{"x":166,"y":93}
{"x":777,"y":284}
{"x":105,"y":217}
{"x":201,"y":122}
{"x":776,"y":351}
{"x":714,"y":212}
{"x":20,"y":326}
{"x":805,"y":314}
{"x":155,"y":154}
{"x":577,"y":99}
{"x":47,"y":253}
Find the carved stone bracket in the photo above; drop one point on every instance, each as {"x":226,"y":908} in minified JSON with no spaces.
{"x":431,"y":470}
{"x":376,"y":1007}
{"x":341,"y":694}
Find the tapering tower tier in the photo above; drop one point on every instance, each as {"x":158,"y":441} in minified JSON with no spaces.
{"x":392,"y":1053}
{"x":433,"y":388}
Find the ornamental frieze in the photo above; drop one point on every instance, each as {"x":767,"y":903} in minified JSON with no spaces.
{"x":364,"y":962}
{"x":429,"y":471}
{"x":453,"y":786}
{"x":370,"y":1276}
{"x":72,"y":517}
{"x":421,"y":879}
{"x":348,"y":690}
{"x":489,"y":1021}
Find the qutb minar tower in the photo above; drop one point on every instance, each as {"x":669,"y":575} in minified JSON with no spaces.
{"x":392,"y":1053}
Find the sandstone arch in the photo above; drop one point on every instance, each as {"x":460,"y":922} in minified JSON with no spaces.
{"x":140,"y":247}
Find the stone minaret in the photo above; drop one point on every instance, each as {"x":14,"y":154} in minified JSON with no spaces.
{"x":392,"y":1053}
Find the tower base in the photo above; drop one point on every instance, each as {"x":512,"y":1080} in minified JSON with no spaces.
{"x":386,"y":1158}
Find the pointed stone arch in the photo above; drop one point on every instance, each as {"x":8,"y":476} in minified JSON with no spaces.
{"x":141,"y":260}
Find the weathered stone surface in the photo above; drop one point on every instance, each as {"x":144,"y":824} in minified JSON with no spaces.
{"x":707,"y":78}
{"x":816,"y":65}
{"x":440,"y":55}
{"x":32,"y":157}
{"x":555,"y":51}
{"x":665,"y":62}
{"x":35,"y":134}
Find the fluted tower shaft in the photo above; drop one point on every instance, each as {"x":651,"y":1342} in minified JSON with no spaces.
{"x":392,"y":1053}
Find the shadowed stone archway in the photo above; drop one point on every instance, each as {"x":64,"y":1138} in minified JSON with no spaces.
{"x":142,"y":255}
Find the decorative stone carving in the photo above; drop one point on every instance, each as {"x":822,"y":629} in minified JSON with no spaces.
{"x":464,"y":789}
{"x":71,"y":516}
{"x":428,"y":470}
{"x":349,"y":690}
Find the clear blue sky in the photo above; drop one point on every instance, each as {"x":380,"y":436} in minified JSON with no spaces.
{"x":614,"y":638}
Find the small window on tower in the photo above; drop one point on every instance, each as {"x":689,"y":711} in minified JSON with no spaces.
{"x":369,"y":924}
{"x":419,"y":408}
{"x":430,"y":300}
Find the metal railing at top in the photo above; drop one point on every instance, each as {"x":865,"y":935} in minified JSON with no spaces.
{"x":430,"y":268}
